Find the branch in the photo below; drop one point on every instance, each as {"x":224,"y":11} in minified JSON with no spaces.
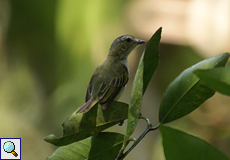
{"x":149,"y":128}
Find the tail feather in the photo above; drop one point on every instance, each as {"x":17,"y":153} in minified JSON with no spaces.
{"x":87,"y":106}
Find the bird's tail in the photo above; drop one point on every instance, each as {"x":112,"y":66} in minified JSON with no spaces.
{"x":87,"y":106}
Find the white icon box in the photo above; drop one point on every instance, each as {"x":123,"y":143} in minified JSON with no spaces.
{"x":10,"y":148}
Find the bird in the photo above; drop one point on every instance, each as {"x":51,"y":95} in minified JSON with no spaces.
{"x":110,"y":78}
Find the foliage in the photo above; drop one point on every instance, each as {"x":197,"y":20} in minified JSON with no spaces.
{"x":186,"y":93}
{"x":81,"y":126}
{"x":196,"y":148}
{"x":110,"y":144}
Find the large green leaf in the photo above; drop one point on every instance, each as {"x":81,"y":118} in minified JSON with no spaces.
{"x":186,"y":93}
{"x":80,"y":126}
{"x":151,"y":58}
{"x":179,"y":145}
{"x":147,"y":66}
{"x":217,"y":79}
{"x":102,"y":146}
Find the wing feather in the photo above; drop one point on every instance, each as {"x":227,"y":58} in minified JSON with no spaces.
{"x":108,"y":88}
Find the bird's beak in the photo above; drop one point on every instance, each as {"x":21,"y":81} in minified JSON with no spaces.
{"x":139,"y":41}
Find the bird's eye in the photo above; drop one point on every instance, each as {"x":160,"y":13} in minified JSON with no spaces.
{"x":128,"y":40}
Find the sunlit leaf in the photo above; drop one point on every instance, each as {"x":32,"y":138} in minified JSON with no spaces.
{"x":80,"y":126}
{"x":179,"y":145}
{"x":102,"y":146}
{"x":186,"y":93}
{"x":217,"y":79}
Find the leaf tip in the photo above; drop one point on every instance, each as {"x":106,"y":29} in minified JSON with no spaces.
{"x":50,"y":138}
{"x":159,"y":30}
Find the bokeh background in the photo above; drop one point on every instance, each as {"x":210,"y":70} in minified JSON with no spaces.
{"x":49,"y":50}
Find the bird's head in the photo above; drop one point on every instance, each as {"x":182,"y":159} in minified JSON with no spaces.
{"x":123,"y":45}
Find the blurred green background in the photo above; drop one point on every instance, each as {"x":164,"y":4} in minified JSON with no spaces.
{"x":49,"y":50}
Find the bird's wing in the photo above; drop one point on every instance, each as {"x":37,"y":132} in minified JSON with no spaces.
{"x":105,"y":88}
{"x":110,"y":89}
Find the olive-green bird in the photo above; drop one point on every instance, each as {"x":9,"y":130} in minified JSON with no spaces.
{"x":110,"y":78}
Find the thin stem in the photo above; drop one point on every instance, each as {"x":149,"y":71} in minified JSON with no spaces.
{"x":147,"y":120}
{"x":155,"y":128}
{"x":136,"y":142}
{"x":149,"y":128}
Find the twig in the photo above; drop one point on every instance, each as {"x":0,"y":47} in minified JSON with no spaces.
{"x":149,"y":128}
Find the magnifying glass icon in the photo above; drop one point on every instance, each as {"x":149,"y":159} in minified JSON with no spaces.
{"x":9,"y":147}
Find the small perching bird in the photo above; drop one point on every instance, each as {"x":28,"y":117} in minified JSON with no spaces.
{"x":110,"y":78}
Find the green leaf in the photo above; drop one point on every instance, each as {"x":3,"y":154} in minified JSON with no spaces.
{"x":102,"y":146}
{"x":147,"y":66}
{"x":186,"y":93}
{"x":135,"y":100}
{"x":151,"y":57}
{"x":80,"y":126}
{"x":217,"y":79}
{"x":179,"y":145}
